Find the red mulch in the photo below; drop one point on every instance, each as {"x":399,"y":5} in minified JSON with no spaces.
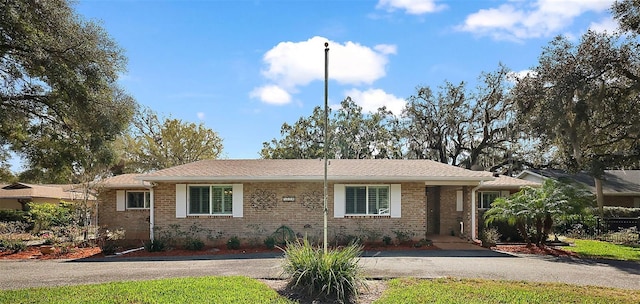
{"x":33,"y":253}
{"x":533,"y":249}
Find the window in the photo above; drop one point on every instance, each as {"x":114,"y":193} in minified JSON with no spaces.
{"x":486,"y":198}
{"x":210,"y":199}
{"x":138,"y":199}
{"x":367,"y":200}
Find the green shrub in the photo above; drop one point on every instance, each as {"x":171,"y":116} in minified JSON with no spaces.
{"x":270,"y":242}
{"x":44,"y":216}
{"x":403,"y":236}
{"x":13,"y":245}
{"x":233,"y":243}
{"x":193,"y":244}
{"x":155,"y":245}
{"x":423,"y":243}
{"x":490,"y":237}
{"x":109,"y":248}
{"x":15,"y":227}
{"x":335,"y":275}
{"x":13,"y":216}
{"x":610,"y":211}
{"x":386,"y":240}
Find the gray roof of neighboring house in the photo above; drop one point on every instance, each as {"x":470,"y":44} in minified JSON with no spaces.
{"x":614,"y":182}
{"x":313,"y":170}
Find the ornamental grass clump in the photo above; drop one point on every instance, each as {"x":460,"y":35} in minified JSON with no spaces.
{"x":335,"y":275}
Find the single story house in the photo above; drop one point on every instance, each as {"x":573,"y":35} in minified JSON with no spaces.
{"x":16,"y":196}
{"x":252,"y":198}
{"x":620,"y":188}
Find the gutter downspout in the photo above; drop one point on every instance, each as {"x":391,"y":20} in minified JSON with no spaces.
{"x":473,"y":212}
{"x":151,"y":213}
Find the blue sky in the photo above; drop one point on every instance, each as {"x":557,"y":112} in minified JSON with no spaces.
{"x":245,"y":67}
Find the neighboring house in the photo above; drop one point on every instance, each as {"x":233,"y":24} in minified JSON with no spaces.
{"x":620,"y":187}
{"x":16,"y":196}
{"x":252,"y":198}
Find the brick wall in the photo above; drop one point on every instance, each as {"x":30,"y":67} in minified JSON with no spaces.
{"x":134,"y":222}
{"x":304,"y":215}
{"x":450,"y":218}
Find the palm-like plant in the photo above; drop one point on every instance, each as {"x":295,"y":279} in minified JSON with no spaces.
{"x":537,"y":208}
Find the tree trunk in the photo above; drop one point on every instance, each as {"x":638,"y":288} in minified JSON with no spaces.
{"x":548,"y":226}
{"x":539,"y":229}
{"x":599,"y":196}
{"x":523,"y":231}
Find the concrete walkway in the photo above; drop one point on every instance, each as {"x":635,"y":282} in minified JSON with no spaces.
{"x":485,"y":264}
{"x":447,"y":242}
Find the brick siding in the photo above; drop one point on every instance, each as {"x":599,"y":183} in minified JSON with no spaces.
{"x":134,"y":222}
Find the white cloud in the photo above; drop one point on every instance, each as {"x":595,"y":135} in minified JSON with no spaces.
{"x":201,"y":115}
{"x":372,"y":99}
{"x":607,"y":25}
{"x":271,"y":94}
{"x":290,"y":65}
{"x":522,"y":20}
{"x":515,"y":76}
{"x":412,"y":7}
{"x":386,"y":49}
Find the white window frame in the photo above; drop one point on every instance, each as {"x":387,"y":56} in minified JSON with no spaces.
{"x":367,"y":213}
{"x":147,"y":199}
{"x":211,"y":213}
{"x":481,"y":204}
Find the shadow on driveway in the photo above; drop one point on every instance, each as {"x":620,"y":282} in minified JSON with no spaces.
{"x":630,"y":267}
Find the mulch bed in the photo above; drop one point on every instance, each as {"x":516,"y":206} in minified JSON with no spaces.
{"x":533,"y":249}
{"x":33,"y":252}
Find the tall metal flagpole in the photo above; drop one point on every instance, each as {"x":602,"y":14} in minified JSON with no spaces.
{"x":326,"y":138}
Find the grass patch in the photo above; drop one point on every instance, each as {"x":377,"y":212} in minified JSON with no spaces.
{"x":179,"y":290}
{"x":487,"y":291}
{"x":599,"y":249}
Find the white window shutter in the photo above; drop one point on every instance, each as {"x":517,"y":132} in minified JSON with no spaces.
{"x":181,"y":200}
{"x":505,"y":193}
{"x":396,"y":198}
{"x":459,"y":200}
{"x":238,"y":197}
{"x":120,"y":200}
{"x":339,"y":201}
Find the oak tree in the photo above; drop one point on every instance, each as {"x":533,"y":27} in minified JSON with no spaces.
{"x":154,"y":143}
{"x":60,"y":106}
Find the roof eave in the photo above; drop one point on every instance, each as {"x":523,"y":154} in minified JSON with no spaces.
{"x":311,"y":178}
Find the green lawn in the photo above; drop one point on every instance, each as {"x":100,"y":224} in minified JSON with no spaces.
{"x":487,"y":291}
{"x":598,"y":249}
{"x":181,"y":290}
{"x":246,"y":290}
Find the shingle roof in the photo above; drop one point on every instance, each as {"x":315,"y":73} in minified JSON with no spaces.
{"x":507,"y":182}
{"x":313,"y":169}
{"x":29,"y":191}
{"x":130,"y":180}
{"x":614,"y":182}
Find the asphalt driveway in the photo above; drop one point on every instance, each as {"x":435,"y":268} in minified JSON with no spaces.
{"x":422,"y":264}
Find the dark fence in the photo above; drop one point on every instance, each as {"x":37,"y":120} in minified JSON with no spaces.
{"x":619,"y":230}
{"x":616,"y":224}
{"x":614,"y":229}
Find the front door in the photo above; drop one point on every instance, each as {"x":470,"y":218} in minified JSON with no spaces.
{"x":433,"y":210}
